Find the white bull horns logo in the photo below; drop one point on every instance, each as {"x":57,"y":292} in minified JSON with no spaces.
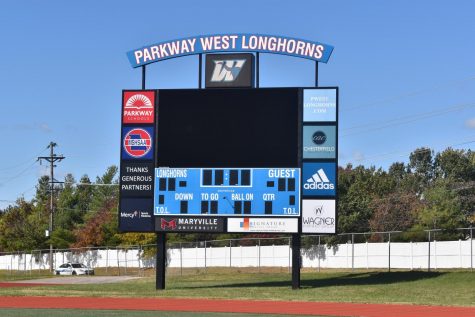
{"x":227,"y":70}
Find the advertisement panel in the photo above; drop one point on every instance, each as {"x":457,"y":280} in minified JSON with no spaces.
{"x":319,"y":142}
{"x":136,"y":179}
{"x":136,"y":215}
{"x":319,"y":179}
{"x":229,"y":70}
{"x":318,"y":216}
{"x":276,"y":225}
{"x":138,"y":107}
{"x":190,"y":224}
{"x":137,"y":143}
{"x":227,"y":191}
{"x":319,"y":105}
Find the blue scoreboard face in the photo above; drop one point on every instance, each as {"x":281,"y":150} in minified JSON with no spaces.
{"x":227,"y":191}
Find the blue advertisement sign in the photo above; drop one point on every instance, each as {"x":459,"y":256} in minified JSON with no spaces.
{"x":319,"y":142}
{"x":319,"y":179}
{"x":136,"y":214}
{"x":319,"y":105}
{"x":216,"y":43}
{"x":227,"y":191}
{"x":137,"y":143}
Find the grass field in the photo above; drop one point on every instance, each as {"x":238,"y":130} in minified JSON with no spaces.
{"x":115,"y":313}
{"x":429,"y":288}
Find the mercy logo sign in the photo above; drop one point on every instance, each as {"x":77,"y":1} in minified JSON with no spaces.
{"x":138,"y":107}
{"x":319,"y":179}
{"x":136,"y":215}
{"x":137,"y":143}
{"x":227,"y":71}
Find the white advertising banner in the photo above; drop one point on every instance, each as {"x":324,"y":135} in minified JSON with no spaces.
{"x":318,"y":216}
{"x":284,"y":225}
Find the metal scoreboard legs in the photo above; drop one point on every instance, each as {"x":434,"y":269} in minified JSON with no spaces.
{"x":161,"y":261}
{"x":296,"y":261}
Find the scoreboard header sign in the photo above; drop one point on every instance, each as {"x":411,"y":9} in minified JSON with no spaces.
{"x":205,"y":44}
{"x":227,"y":192}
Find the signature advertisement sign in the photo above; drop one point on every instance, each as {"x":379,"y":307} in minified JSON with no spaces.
{"x":277,"y":225}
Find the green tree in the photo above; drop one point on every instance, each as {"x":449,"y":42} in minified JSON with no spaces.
{"x":101,"y":221}
{"x":442,"y":211}
{"x":22,"y":228}
{"x":421,"y":164}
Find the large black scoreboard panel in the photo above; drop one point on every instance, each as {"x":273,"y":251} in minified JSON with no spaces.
{"x":228,"y":128}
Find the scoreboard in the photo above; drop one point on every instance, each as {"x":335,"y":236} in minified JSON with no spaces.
{"x":229,"y":160}
{"x":227,"y":191}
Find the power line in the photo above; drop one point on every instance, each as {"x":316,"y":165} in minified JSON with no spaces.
{"x":406,"y":153}
{"x":19,"y":174}
{"x":24,"y":162}
{"x":439,"y":87}
{"x":89,"y":184}
{"x":405,"y":120}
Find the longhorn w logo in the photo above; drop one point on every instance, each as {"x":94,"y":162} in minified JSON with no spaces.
{"x":227,"y":70}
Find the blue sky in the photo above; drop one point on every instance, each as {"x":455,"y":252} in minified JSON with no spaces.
{"x":405,"y":69}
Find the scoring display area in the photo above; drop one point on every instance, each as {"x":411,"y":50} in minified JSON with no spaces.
{"x":227,"y":191}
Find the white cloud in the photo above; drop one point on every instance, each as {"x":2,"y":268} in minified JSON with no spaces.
{"x":470,"y":123}
{"x":359,"y":156}
{"x":35,"y":126}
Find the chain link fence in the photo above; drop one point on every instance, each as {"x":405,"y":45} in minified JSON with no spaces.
{"x":348,"y":251}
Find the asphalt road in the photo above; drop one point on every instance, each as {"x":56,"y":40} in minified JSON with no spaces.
{"x":79,"y":280}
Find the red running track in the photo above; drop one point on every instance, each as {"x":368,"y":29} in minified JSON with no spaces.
{"x":236,"y":306}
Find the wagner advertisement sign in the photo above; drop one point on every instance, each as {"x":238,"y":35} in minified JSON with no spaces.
{"x":318,"y":216}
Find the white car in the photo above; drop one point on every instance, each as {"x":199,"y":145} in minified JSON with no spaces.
{"x":73,"y":269}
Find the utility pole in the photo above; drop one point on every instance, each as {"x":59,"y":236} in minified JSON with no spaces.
{"x":52,"y":158}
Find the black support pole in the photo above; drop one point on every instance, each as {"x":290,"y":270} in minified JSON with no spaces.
{"x":389,"y":252}
{"x":428,"y":258}
{"x":316,"y":74}
{"x":143,"y":77}
{"x":161,"y":261}
{"x":296,"y":261}
{"x":257,"y":69}
{"x":200,"y":70}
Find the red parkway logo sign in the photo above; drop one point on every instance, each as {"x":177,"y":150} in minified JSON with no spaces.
{"x":138,"y":107}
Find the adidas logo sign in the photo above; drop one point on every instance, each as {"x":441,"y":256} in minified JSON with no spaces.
{"x":319,"y":180}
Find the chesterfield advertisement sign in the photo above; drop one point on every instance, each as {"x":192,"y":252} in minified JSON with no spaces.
{"x":205,"y":44}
